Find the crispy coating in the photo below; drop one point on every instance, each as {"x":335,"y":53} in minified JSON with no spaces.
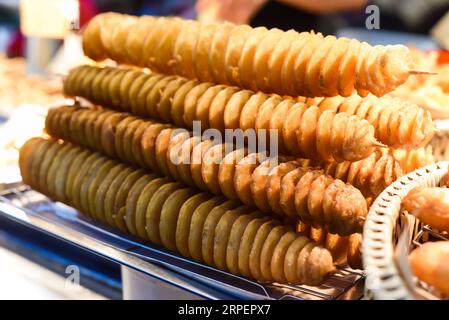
{"x":303,"y":129}
{"x":370,"y":175}
{"x":313,"y":196}
{"x":260,"y":59}
{"x":221,"y":233}
{"x":397,"y":123}
{"x":430,"y":263}
{"x":430,"y":205}
{"x":345,"y":250}
{"x":411,"y":160}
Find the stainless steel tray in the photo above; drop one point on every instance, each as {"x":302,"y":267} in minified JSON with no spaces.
{"x":31,"y":208}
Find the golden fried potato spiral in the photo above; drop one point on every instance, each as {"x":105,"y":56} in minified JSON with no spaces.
{"x":345,"y":250}
{"x":169,"y":212}
{"x":272,"y":61}
{"x":276,"y":184}
{"x":397,"y":123}
{"x":411,"y":160}
{"x":302,"y":130}
{"x":370,"y":175}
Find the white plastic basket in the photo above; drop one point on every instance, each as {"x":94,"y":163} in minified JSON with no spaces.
{"x":440,"y":141}
{"x":381,"y":230}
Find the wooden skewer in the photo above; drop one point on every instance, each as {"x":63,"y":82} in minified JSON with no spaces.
{"x":422,"y":72}
{"x":378,"y":144}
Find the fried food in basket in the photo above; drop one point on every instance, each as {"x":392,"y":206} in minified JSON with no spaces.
{"x":209,"y":229}
{"x":430,"y":205}
{"x":430,"y":263}
{"x":257,"y":180}
{"x":260,"y":59}
{"x":303,"y":130}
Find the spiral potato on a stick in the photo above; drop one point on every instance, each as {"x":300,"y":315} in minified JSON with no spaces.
{"x":411,"y":160}
{"x":209,"y":229}
{"x":397,"y":123}
{"x":271,"y":61}
{"x":278,"y":184}
{"x":344,"y":250}
{"x":302,"y":130}
{"x":370,"y":175}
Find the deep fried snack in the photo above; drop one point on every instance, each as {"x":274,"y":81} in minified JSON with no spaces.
{"x":222,"y":232}
{"x":397,"y":123}
{"x":310,"y":194}
{"x":226,"y":172}
{"x":302,"y":129}
{"x":354,"y":254}
{"x":344,"y":250}
{"x":142,"y":204}
{"x":196,"y":160}
{"x":306,"y":64}
{"x":94,"y":162}
{"x":35,"y":162}
{"x":184,"y":159}
{"x":371,"y":175}
{"x":213,"y":230}
{"x":45,"y":166}
{"x":256,"y":248}
{"x":132,"y":199}
{"x":197,"y":223}
{"x":93,"y":43}
{"x":291,"y":259}
{"x":53,"y":177}
{"x":430,"y":263}
{"x":174,"y":144}
{"x":210,"y":166}
{"x":411,"y":160}
{"x":242,"y":177}
{"x":184,"y":222}
{"x":279,"y":254}
{"x":208,"y":234}
{"x":110,"y":196}
{"x":274,"y":184}
{"x":90,"y":185}
{"x":330,"y":203}
{"x":154,"y":209}
{"x":430,"y":205}
{"x":98,"y":202}
{"x":169,"y":216}
{"x":266,"y":255}
{"x":235,"y":238}
{"x":75,"y":167}
{"x":148,"y":145}
{"x":258,"y":184}
{"x":119,"y":208}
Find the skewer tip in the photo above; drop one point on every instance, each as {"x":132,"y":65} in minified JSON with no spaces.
{"x":379,"y":144}
{"x":422,"y":72}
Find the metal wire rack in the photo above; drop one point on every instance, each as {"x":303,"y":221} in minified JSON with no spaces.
{"x":428,"y":234}
{"x":29,"y":207}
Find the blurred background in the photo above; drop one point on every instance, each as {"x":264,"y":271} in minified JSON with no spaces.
{"x":327,"y":16}
{"x":40,"y":41}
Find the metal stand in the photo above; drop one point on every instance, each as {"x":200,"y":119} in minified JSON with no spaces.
{"x":39,"y":53}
